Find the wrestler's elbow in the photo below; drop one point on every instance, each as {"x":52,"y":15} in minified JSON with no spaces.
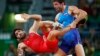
{"x":84,"y":13}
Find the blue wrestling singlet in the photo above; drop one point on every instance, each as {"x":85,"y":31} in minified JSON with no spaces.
{"x":70,"y":38}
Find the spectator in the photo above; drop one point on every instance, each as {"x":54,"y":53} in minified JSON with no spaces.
{"x":83,"y":4}
{"x":89,"y":49}
{"x":12,"y":51}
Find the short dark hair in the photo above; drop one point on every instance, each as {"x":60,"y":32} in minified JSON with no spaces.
{"x":13,"y":33}
{"x":60,"y":1}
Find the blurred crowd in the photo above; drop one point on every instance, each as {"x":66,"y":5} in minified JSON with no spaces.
{"x":90,"y":31}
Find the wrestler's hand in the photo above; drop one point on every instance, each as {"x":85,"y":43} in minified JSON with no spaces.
{"x":25,"y":16}
{"x":56,"y":24}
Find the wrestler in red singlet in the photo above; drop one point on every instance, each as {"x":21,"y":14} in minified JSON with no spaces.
{"x":40,"y":45}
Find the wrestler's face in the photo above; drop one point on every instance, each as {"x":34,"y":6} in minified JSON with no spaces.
{"x":20,"y":34}
{"x":58,"y":6}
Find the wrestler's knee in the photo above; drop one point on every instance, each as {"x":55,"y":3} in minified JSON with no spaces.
{"x":51,"y":36}
{"x":79,"y":50}
{"x":59,"y":53}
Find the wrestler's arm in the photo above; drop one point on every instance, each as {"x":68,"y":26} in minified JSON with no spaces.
{"x":33,"y":16}
{"x":82,"y":15}
{"x":50,"y":23}
{"x":61,"y":32}
{"x":79,"y":14}
{"x":20,"y":49}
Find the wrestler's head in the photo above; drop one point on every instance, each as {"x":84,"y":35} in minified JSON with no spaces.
{"x":58,"y":5}
{"x":19,"y":34}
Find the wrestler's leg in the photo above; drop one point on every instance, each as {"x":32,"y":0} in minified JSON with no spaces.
{"x":52,"y":42}
{"x":52,"y":35}
{"x":59,"y":53}
{"x":79,"y":50}
{"x":34,"y":27}
{"x":37,"y":18}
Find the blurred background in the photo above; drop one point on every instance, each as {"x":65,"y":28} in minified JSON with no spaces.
{"x":90,"y":31}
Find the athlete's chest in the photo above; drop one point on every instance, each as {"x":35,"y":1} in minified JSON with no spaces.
{"x":65,"y":17}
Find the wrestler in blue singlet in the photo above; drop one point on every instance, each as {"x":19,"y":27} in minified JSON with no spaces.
{"x":70,"y":38}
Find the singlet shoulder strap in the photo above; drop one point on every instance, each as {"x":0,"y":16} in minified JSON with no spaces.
{"x":66,"y":9}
